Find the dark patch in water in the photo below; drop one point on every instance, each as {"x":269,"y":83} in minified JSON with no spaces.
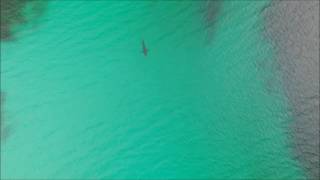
{"x":14,"y":13}
{"x":212,"y":9}
{"x":3,"y":126}
{"x":292,"y":27}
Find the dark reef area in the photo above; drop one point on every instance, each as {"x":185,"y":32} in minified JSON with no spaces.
{"x":293,"y":28}
{"x":18,"y":12}
{"x":3,"y":127}
{"x":15,"y":13}
{"x":11,"y":15}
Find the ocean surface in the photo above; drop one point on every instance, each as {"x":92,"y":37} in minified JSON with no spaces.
{"x":83,"y":101}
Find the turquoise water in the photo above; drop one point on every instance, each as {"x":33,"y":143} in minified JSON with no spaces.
{"x":82,"y":101}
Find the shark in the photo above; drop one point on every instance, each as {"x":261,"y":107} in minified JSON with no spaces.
{"x":144,"y":48}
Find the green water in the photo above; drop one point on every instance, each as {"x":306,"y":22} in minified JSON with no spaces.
{"x":84,"y":102}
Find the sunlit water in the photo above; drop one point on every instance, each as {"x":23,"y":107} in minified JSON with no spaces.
{"x":82,"y":100}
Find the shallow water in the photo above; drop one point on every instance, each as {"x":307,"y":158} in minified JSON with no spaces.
{"x":84,"y":102}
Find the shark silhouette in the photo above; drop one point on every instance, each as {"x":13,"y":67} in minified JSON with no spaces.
{"x":144,"y":48}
